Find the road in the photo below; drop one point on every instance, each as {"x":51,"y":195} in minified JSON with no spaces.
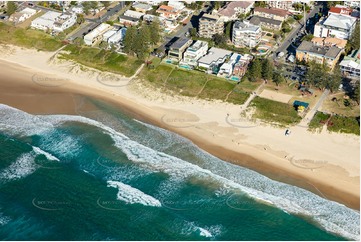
{"x":300,"y":28}
{"x":110,"y":12}
{"x":308,"y":117}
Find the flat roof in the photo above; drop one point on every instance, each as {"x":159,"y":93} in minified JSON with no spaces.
{"x":256,"y":19}
{"x":230,"y":9}
{"x":340,"y":21}
{"x":273,"y":11}
{"x":327,"y":51}
{"x":179,"y":43}
{"x":214,"y":54}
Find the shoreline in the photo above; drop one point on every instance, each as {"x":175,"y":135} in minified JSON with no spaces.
{"x":338,"y":181}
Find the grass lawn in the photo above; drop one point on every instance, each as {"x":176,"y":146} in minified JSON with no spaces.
{"x":187,"y":83}
{"x":104,"y":60}
{"x":339,"y":107}
{"x":156,"y":76}
{"x":28,"y":38}
{"x":318,"y":120}
{"x":343,"y":124}
{"x":275,"y":112}
{"x":216,"y":88}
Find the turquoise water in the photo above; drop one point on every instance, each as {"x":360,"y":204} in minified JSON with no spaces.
{"x":102,"y":175}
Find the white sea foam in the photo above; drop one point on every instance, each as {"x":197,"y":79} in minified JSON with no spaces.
{"x":132,"y":195}
{"x":49,"y":156}
{"x":4,"y":219}
{"x":332,"y":216}
{"x":22,"y":167}
{"x":205,"y":233}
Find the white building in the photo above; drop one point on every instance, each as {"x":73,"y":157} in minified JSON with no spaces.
{"x":108,"y":34}
{"x":335,"y":25}
{"x":23,"y":15}
{"x":153,"y":3}
{"x":46,"y":21}
{"x":352,"y":4}
{"x":214,"y":58}
{"x":64,"y":21}
{"x":117,"y":37}
{"x":245,"y":34}
{"x":176,"y":4}
{"x":226,"y":69}
{"x":78,"y":9}
{"x":133,"y":14}
{"x":194,"y":53}
{"x":96,"y":34}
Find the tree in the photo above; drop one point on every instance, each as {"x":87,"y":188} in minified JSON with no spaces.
{"x":267,"y":69}
{"x":155,"y":31}
{"x":355,"y":95}
{"x":308,"y":37}
{"x":80,"y":19}
{"x":261,"y":4}
{"x":193,"y":32}
{"x":129,"y":40}
{"x":229,"y":30}
{"x":335,"y":79}
{"x":255,"y":70}
{"x":278,"y":78}
{"x":354,"y":41}
{"x":217,"y":4}
{"x":10,"y":8}
{"x":105,"y":3}
{"x":219,"y":39}
{"x":86,"y":7}
{"x":93,"y":4}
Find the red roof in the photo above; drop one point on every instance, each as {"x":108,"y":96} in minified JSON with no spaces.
{"x":345,"y":10}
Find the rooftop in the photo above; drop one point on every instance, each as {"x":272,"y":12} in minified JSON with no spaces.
{"x":273,"y":11}
{"x":143,"y":6}
{"x":340,"y":10}
{"x":133,"y":14}
{"x":339,"y":21}
{"x":355,"y":56}
{"x":327,"y":51}
{"x":179,"y":43}
{"x":165,"y":8}
{"x":245,"y":26}
{"x":230,"y":9}
{"x":128,"y":18}
{"x":256,"y":20}
{"x":329,"y":41}
{"x":210,"y":17}
{"x":197,"y":45}
{"x":214,"y":54}
{"x":98,"y":30}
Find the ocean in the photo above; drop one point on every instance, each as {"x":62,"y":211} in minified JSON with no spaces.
{"x":103,"y":175}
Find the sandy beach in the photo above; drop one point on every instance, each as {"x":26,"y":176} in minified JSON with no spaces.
{"x":327,"y":164}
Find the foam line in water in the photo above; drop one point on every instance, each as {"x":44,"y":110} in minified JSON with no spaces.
{"x":49,"y":156}
{"x":333,"y":216}
{"x":22,"y":167}
{"x":132,"y":195}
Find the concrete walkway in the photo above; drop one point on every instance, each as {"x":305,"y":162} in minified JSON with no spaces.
{"x":251,"y":97}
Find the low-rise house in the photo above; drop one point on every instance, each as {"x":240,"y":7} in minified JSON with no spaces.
{"x":46,"y":21}
{"x":245,"y":34}
{"x":266,"y":22}
{"x":352,"y":3}
{"x":329,"y":55}
{"x":109,"y":34}
{"x":342,"y":10}
{"x":350,"y":65}
{"x":176,"y":50}
{"x":194,"y":53}
{"x":21,"y":16}
{"x":232,"y":10}
{"x":335,"y":25}
{"x":240,"y":68}
{"x":329,"y":41}
{"x":64,"y":21}
{"x":176,"y":4}
{"x":78,"y":9}
{"x":128,"y":21}
{"x":226,"y":69}
{"x":118,"y":37}
{"x":286,"y":5}
{"x":96,"y":34}
{"x":271,"y":13}
{"x":209,"y":25}
{"x":142,"y":7}
{"x":168,"y":12}
{"x":153,"y":3}
{"x":133,"y":14}
{"x":214,"y":59}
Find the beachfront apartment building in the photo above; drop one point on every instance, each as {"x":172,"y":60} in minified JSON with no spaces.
{"x":64,"y":21}
{"x":176,"y":50}
{"x":214,"y":58}
{"x":194,"y":53}
{"x":96,"y":34}
{"x":350,"y":65}
{"x":209,"y":25}
{"x":168,"y":12}
{"x":245,"y":34}
{"x":46,"y":21}
{"x":329,"y":41}
{"x":108,"y":34}
{"x":232,"y":10}
{"x":271,"y":13}
{"x":23,"y":15}
{"x":328,"y":55}
{"x":335,"y":25}
{"x":286,"y":5}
